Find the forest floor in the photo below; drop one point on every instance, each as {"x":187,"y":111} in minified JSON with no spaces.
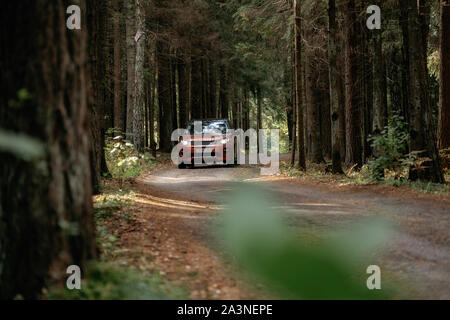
{"x":170,"y":230}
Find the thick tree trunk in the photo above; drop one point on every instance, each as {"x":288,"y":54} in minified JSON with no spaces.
{"x":118,"y":110}
{"x":139,"y":105}
{"x":325,"y":115}
{"x":151,"y":115}
{"x":353,"y":103}
{"x":131,"y":56}
{"x":341,"y":98}
{"x":403,"y":22}
{"x":394,"y":88}
{"x":298,"y":85}
{"x":109,"y":79}
{"x":46,"y":214}
{"x":288,"y":98}
{"x":334,"y":91}
{"x":314,"y":99}
{"x":96,"y":32}
{"x":379,"y":88}
{"x":444,"y":79}
{"x":368,"y":87}
{"x":148,"y":88}
{"x":422,"y":134}
{"x":315,"y":76}
{"x":294,"y":110}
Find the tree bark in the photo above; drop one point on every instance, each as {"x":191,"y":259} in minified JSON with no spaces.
{"x":405,"y":58}
{"x":131,"y":57}
{"x":422,"y":134}
{"x":118,"y":110}
{"x":294,"y":108}
{"x":314,"y":99}
{"x":341,"y":98}
{"x":444,"y":78}
{"x":334,"y":89}
{"x":352,"y":85}
{"x":315,"y":75}
{"x":152,"y":105}
{"x":367,"y":91}
{"x":139,"y":106}
{"x":46,"y":214}
{"x":288,"y":98}
{"x":97,"y":35}
{"x":298,"y":85}
{"x":379,"y":90}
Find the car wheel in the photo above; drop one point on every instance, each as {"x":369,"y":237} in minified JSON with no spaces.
{"x":182,"y":166}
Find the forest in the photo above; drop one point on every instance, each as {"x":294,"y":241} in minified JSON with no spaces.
{"x":86,"y":110}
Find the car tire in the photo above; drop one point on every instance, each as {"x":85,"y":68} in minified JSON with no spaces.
{"x":182,"y":166}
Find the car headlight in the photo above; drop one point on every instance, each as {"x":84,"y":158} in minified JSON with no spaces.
{"x":184,"y":142}
{"x":224,"y":141}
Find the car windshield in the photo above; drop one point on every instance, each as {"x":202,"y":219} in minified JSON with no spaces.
{"x":210,"y":127}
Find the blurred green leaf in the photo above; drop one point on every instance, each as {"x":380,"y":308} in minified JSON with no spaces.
{"x":254,"y":234}
{"x":20,"y":145}
{"x":23,"y":94}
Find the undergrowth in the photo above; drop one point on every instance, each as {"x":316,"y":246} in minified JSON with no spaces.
{"x":107,"y":281}
{"x":362,"y":177}
{"x":123,"y":161}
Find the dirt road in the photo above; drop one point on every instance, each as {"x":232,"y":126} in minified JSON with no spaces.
{"x":418,"y":253}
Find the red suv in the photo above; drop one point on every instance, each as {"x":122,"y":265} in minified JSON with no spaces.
{"x":208,"y":141}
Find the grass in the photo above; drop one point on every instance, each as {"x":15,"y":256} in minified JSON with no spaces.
{"x":425,"y":187}
{"x":107,"y":281}
{"x":314,"y":171}
{"x":361,"y":177}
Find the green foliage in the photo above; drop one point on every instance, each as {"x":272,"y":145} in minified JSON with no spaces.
{"x":290,"y":171}
{"x":389,"y":148}
{"x":122,"y":159}
{"x":253,"y":232}
{"x":421,"y":186}
{"x":23,"y":95}
{"x":109,"y":282}
{"x":22,"y":146}
{"x":433,"y":64}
